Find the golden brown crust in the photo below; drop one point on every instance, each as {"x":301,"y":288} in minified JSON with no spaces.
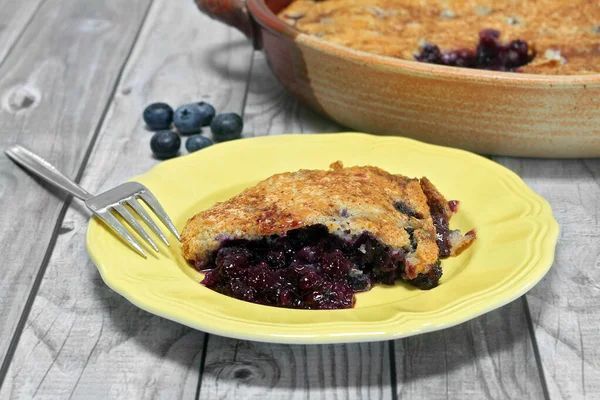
{"x":396,"y":28}
{"x":348,"y":201}
{"x":460,"y":243}
{"x":434,"y":196}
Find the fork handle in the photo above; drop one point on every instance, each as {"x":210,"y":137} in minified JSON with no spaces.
{"x":42,"y":168}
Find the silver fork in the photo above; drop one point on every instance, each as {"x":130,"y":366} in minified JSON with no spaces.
{"x":105,"y":204}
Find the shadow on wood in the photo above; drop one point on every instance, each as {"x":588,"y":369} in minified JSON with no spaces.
{"x":218,"y":58}
{"x":131,"y":323}
{"x":243,"y":369}
{"x":476,"y":358}
{"x":52,"y":190}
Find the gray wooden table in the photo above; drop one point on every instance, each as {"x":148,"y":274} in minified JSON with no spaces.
{"x":74,"y":77}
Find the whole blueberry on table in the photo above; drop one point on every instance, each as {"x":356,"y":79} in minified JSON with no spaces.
{"x":165,"y":144}
{"x":227,"y":126}
{"x":197,"y":142}
{"x":208,"y":113}
{"x":158,"y":116}
{"x":188,"y":119}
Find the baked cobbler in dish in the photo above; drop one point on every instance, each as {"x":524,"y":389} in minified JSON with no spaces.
{"x":311,"y":239}
{"x":533,"y":36}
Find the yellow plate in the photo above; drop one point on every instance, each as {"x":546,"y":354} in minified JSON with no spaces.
{"x":517,"y":236}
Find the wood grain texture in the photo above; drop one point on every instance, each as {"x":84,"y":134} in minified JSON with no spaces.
{"x":14,"y":19}
{"x":489,"y":357}
{"x":565,"y":305}
{"x":237,"y":369}
{"x":82,"y":340}
{"x":55,"y":85}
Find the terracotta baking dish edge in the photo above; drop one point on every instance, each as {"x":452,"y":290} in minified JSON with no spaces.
{"x":491,"y":113}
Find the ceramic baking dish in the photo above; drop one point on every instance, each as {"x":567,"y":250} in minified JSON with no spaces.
{"x":492,"y":113}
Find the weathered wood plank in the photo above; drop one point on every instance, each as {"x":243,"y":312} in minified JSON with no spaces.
{"x":54,"y":89}
{"x":489,"y":357}
{"x":251,"y":370}
{"x":237,"y":369}
{"x":82,"y":339}
{"x":565,"y":305}
{"x":14,"y":19}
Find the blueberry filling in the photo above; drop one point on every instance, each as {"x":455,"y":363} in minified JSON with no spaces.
{"x":308,"y":268}
{"x":413,"y":239}
{"x":406,"y":209}
{"x":429,"y":280}
{"x":490,"y":54}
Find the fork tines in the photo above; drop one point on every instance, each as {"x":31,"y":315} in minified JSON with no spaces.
{"x":124,"y":201}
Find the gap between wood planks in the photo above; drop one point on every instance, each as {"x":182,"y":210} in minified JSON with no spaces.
{"x":536,"y":349}
{"x":532,"y":336}
{"x":48,"y":253}
{"x":18,"y":36}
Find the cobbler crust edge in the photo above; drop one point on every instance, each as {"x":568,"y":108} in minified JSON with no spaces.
{"x":348,"y":201}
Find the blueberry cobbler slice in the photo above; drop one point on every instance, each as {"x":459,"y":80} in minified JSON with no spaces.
{"x":311,"y":239}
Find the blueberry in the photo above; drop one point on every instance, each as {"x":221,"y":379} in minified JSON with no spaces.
{"x":227,"y":126}
{"x":188,"y":119}
{"x":165,"y":144}
{"x":197,"y":142}
{"x":430,"y":54}
{"x":208,"y":113}
{"x":335,"y":263}
{"x":158,"y":116}
{"x":358,"y":281}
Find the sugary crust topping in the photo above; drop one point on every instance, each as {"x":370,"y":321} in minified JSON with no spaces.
{"x":397,"y":28}
{"x":427,"y":252}
{"x":348,"y":201}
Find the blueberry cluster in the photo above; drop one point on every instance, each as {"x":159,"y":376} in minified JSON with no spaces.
{"x":189,"y":119}
{"x":308,"y":268}
{"x":490,"y":54}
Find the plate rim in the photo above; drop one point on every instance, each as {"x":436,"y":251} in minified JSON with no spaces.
{"x":547,"y":245}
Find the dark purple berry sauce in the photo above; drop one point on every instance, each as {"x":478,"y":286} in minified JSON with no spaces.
{"x":308,"y":268}
{"x":490,"y":54}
